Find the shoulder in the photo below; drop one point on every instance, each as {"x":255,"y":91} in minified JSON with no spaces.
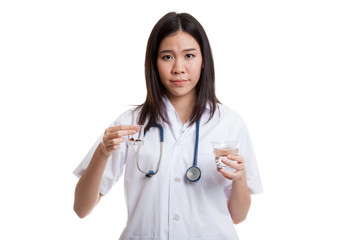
{"x":228,"y":115}
{"x":128,"y":117}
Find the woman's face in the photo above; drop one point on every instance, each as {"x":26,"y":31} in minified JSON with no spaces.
{"x":179,"y":64}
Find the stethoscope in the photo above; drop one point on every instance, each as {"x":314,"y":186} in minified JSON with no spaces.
{"x":193,"y":173}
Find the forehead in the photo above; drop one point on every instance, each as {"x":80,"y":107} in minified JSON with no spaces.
{"x":179,"y":40}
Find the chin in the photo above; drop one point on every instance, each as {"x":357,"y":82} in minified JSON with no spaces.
{"x":180,"y":92}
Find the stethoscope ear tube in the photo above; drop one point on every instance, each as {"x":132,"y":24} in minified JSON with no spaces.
{"x":151,"y":172}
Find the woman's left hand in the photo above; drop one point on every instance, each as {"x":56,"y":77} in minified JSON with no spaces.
{"x":239,"y":166}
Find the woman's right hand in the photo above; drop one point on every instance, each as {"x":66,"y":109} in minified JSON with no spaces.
{"x":113,"y":136}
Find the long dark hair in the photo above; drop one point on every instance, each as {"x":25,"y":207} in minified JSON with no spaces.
{"x":153,"y":108}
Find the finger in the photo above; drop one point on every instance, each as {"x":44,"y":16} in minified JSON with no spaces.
{"x":112,"y":145}
{"x":238,"y":158}
{"x":112,"y":148}
{"x":234,"y":165}
{"x":123,"y":127}
{"x":114,"y":141}
{"x":228,"y":175}
{"x":118,"y":134}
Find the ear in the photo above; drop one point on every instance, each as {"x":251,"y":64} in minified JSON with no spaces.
{"x":202,"y":65}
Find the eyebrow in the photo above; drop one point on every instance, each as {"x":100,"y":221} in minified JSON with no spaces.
{"x":185,"y":50}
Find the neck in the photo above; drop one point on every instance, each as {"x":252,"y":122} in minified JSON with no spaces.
{"x":184,"y":106}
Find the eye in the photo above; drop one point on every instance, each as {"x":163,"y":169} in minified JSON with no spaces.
{"x":167,"y":57}
{"x":189,"y":56}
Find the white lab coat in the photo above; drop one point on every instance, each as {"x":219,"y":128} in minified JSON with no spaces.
{"x":167,"y":206}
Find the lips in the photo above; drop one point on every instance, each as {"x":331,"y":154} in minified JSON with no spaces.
{"x":179,"y":82}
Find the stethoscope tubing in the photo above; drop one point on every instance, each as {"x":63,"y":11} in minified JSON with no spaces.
{"x":193,"y":168}
{"x":196,"y":143}
{"x":150,"y":173}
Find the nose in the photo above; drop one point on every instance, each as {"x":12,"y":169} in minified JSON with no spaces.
{"x":178,"y":67}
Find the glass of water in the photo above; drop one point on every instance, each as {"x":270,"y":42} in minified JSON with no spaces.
{"x":222,"y":150}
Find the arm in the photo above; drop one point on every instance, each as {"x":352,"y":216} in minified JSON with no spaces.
{"x":240,"y":199}
{"x":87,"y":191}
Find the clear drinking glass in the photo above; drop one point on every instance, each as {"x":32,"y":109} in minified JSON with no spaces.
{"x":222,"y":150}
{"x":138,"y":137}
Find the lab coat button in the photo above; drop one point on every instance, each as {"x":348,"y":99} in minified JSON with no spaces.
{"x":176,"y":217}
{"x":177,"y":179}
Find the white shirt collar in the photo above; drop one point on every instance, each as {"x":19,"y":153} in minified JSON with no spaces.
{"x":170,"y":107}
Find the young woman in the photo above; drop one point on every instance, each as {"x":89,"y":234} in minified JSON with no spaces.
{"x":181,"y":110}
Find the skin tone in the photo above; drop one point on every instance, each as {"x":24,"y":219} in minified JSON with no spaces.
{"x":179,"y":63}
{"x":87,"y":191}
{"x":240,"y":199}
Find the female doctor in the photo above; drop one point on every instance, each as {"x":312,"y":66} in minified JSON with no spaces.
{"x":181,"y":116}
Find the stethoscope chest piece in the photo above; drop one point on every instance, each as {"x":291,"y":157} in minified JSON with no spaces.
{"x":193,"y":174}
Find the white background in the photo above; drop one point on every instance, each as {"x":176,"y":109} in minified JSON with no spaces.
{"x":290,"y":68}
